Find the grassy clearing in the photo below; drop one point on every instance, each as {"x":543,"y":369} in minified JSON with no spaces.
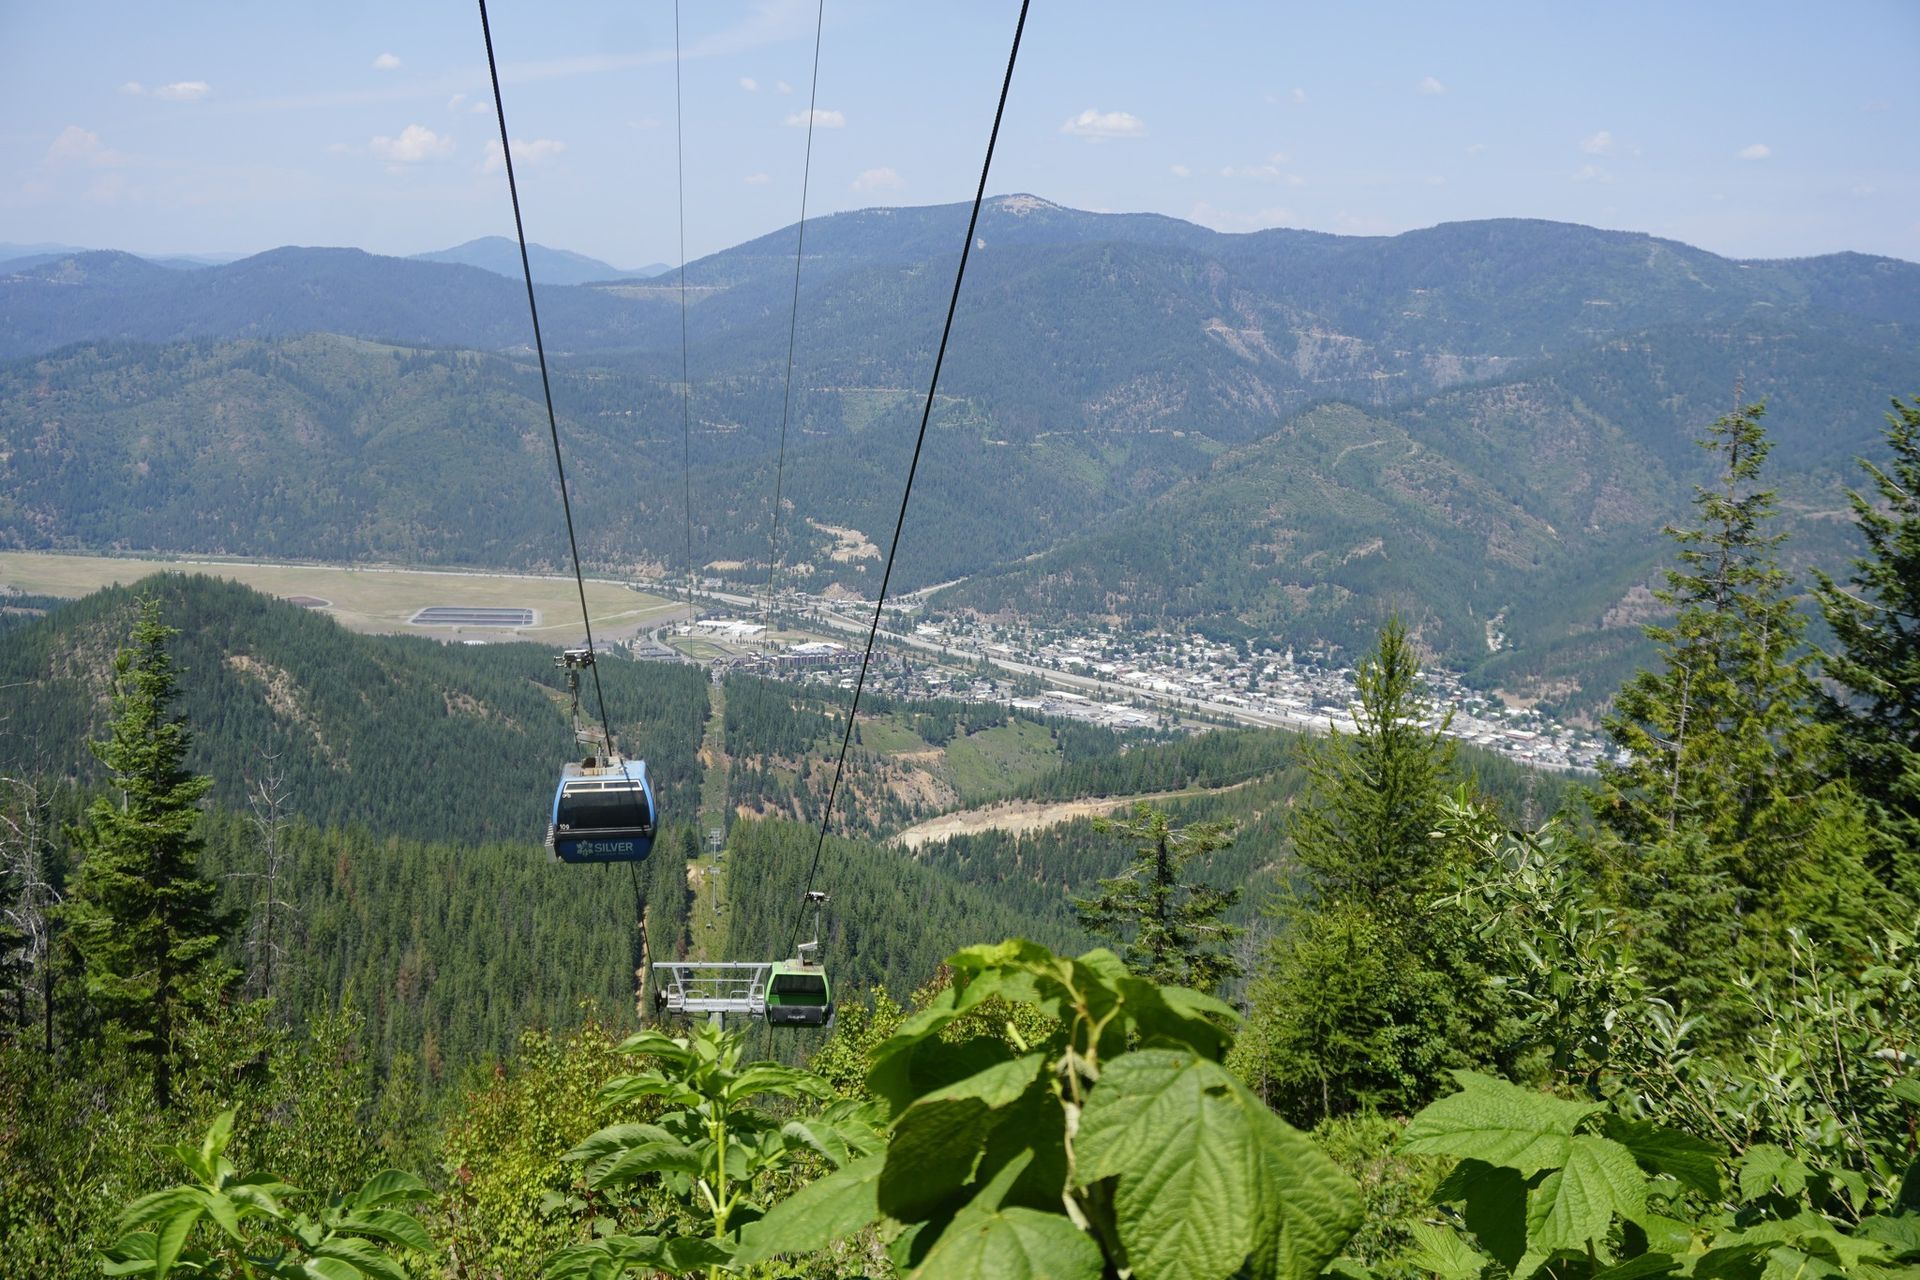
{"x":366,"y":599}
{"x":983,"y":764}
{"x":888,"y":736}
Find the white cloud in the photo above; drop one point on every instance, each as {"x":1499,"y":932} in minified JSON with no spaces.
{"x":1297,"y":95}
{"x":1264,"y":172}
{"x":82,"y":147}
{"x":1600,"y":144}
{"x":526,"y":153}
{"x":1758,"y":151}
{"x":881,"y":179}
{"x":1591,"y":173}
{"x":1181,"y":171}
{"x":1864,"y":189}
{"x":1476,"y":148}
{"x":184,"y":91}
{"x":479,"y":109}
{"x":781,"y":86}
{"x":1105,"y":124}
{"x":386,"y":62}
{"x":453,"y":103}
{"x":1430,"y":86}
{"x":133,"y":88}
{"x":415,"y":144}
{"x":757,"y":179}
{"x":749,"y":84}
{"x":821,"y":119}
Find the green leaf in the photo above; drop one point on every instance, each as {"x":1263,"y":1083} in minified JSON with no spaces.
{"x":816,"y":1215}
{"x":648,"y":1084}
{"x":1029,"y":1139}
{"x":1909,"y":1201}
{"x":653,"y":1157}
{"x":937,"y":1141}
{"x":258,"y":1192}
{"x":1012,"y":1244}
{"x":362,"y":1255}
{"x":332,"y":1269}
{"x":222,"y":1211}
{"x":688,"y":1253}
{"x":1164,"y":1123}
{"x":922,"y":1065}
{"x":160,"y":1205}
{"x":1174,"y":1017}
{"x":617,"y":1137}
{"x":1496,"y":1207}
{"x":1499,"y":1123}
{"x":391,"y":1186}
{"x":219,"y":1134}
{"x":782,"y":1082}
{"x":133,"y":1254}
{"x":1309,"y":1208}
{"x":1900,"y":1232}
{"x":1907,"y":1089}
{"x":1444,"y":1254}
{"x":825,"y":1140}
{"x":1767,"y":1168}
{"x":606,"y":1259}
{"x":1574,"y":1206}
{"x":1696,"y":1163}
{"x":1665,"y":1235}
{"x":171,"y":1238}
{"x":659,"y":1044}
{"x":1208,"y":1176}
{"x":1640,"y":1268}
{"x":389,"y":1225}
{"x":1788,"y":1263}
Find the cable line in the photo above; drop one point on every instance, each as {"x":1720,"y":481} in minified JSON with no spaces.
{"x":793,"y":317}
{"x":686,"y":382}
{"x":546,"y":385}
{"x":920,"y":441}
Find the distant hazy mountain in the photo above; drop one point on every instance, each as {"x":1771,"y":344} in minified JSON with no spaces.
{"x":550,"y":266}
{"x":9,"y":250}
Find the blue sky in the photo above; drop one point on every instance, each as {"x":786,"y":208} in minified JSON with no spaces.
{"x":1751,"y":129}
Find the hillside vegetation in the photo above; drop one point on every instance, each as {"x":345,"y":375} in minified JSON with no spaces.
{"x":1473,"y":419}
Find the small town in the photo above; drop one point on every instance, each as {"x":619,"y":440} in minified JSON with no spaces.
{"x":1123,"y":680}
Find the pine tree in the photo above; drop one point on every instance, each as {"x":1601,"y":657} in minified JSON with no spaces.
{"x":146,"y":926}
{"x":1365,"y":831}
{"x":1708,"y":825}
{"x":1363,"y":1001}
{"x":1876,"y":629}
{"x":1172,"y":930}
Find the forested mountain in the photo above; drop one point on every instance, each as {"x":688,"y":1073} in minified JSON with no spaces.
{"x":1518,"y":401}
{"x":404,"y":736}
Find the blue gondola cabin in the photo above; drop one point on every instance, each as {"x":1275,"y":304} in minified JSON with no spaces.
{"x":602,"y":812}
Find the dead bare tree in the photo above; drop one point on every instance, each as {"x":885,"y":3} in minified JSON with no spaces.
{"x":269,"y":914}
{"x":26,"y":831}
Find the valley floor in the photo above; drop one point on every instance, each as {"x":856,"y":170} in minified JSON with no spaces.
{"x":374,"y":599}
